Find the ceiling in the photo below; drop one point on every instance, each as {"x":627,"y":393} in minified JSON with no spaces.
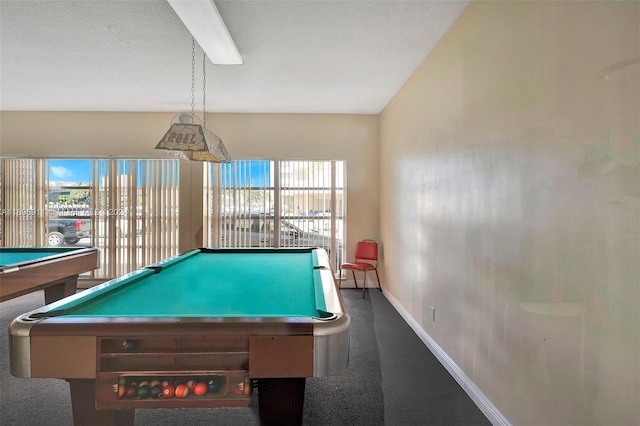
{"x":301,"y":56}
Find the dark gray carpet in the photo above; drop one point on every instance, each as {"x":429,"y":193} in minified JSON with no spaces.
{"x":418,"y":390}
{"x":392,"y":379}
{"x":353,"y":396}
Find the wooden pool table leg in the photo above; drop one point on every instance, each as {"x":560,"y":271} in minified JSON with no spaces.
{"x":64,"y":288}
{"x":83,"y":402}
{"x":281,"y":401}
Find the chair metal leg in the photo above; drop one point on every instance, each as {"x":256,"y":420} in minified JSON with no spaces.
{"x":364,"y":285}
{"x":354,"y":277}
{"x":378,"y":278}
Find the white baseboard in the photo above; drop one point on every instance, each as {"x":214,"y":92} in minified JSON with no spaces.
{"x":479,"y":398}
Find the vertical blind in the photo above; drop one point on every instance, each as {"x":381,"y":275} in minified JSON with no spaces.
{"x":136,"y":213}
{"x":19,"y":202}
{"x":130,"y":208}
{"x":276,"y":203}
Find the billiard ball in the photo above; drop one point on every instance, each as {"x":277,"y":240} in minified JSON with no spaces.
{"x":121,"y":386}
{"x":168,"y":391}
{"x":217,"y":384}
{"x":190,"y":384}
{"x":131,"y":391}
{"x":156,"y":391}
{"x":182,"y":391}
{"x":155,"y":382}
{"x":144,"y":391}
{"x":238,"y":388}
{"x":200,"y":388}
{"x":128,"y":345}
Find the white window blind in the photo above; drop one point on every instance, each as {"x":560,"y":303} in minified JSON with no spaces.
{"x":276,"y":203}
{"x":136,"y":206}
{"x":126,"y":208}
{"x":19,"y":198}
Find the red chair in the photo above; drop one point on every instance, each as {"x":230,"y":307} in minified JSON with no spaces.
{"x":366,"y":259}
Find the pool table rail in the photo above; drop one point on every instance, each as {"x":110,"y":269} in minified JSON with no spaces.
{"x":31,"y":338}
{"x":55,"y":274}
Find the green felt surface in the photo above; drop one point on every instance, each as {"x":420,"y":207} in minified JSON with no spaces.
{"x":11,"y":256}
{"x":216,"y":285}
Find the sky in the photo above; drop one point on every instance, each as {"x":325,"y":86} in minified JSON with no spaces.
{"x":71,"y":171}
{"x":75,"y":171}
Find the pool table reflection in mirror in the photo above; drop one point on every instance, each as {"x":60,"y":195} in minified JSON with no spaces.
{"x":52,"y":269}
{"x":201,"y":329}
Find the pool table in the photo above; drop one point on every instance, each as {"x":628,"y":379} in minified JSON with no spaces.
{"x":27,"y":269}
{"x":202,"y":329}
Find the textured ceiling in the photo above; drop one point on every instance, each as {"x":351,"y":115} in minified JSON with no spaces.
{"x":302,"y":56}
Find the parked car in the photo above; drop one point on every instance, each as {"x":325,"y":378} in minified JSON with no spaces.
{"x":257,"y":230}
{"x":68,"y":231}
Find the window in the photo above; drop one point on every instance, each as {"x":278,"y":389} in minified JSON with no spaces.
{"x":136,"y":213}
{"x":126,"y":208}
{"x":67,"y":211}
{"x":129,"y":208}
{"x":277,"y":203}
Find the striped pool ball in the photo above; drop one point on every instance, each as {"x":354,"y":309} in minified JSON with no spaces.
{"x":182,"y":391}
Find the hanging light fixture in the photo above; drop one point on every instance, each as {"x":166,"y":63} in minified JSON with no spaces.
{"x":191,"y":138}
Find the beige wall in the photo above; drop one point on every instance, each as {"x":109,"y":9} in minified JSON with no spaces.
{"x":509,"y":198}
{"x":353,"y":138}
{"x":510,"y":202}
